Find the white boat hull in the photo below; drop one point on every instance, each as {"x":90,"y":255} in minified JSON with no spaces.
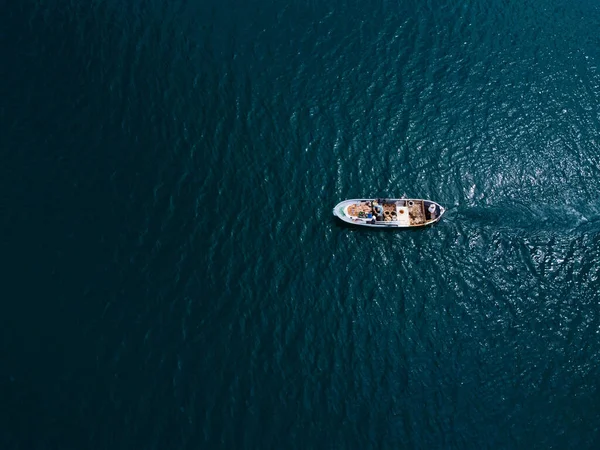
{"x":397,"y":212}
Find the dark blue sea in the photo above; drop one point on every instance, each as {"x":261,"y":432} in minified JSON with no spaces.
{"x":172,"y":276}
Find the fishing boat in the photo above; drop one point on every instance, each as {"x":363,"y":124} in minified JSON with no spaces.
{"x":389,"y":212}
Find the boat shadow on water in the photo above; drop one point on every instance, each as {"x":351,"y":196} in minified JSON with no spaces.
{"x":352,"y":227}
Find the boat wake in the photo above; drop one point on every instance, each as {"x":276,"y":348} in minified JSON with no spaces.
{"x":537,"y":217}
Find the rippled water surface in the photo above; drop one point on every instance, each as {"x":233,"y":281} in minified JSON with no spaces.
{"x":173,"y":276}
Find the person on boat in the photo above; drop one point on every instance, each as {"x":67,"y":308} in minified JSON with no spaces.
{"x":378,"y":210}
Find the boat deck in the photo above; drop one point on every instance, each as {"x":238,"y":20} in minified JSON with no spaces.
{"x":404,"y":212}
